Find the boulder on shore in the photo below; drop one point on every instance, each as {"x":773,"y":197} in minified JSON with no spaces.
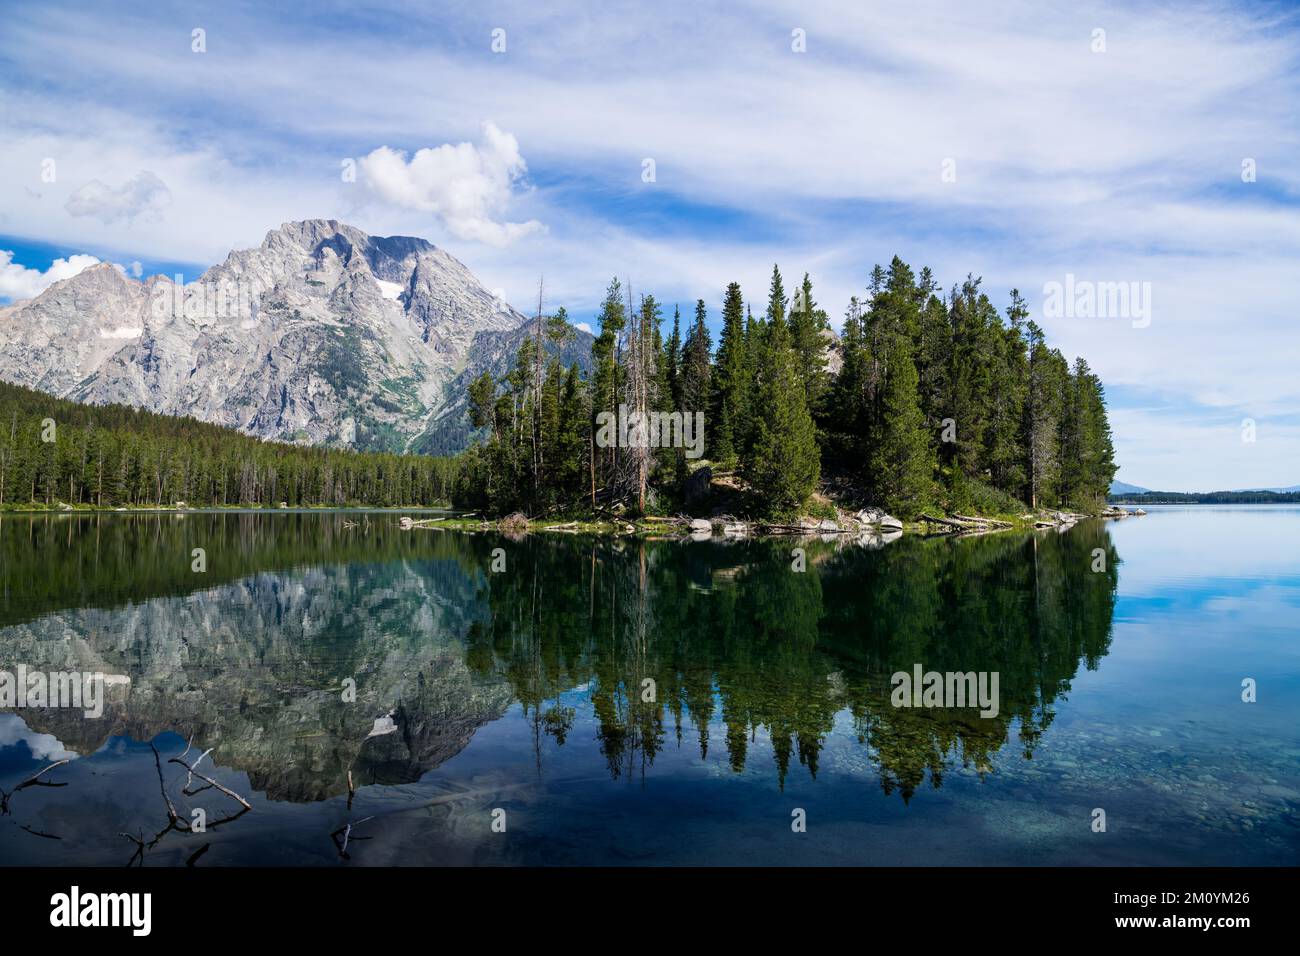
{"x":516,"y":523}
{"x":878,"y":517}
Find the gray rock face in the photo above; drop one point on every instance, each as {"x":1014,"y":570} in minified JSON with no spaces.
{"x":254,"y":669}
{"x":322,"y":335}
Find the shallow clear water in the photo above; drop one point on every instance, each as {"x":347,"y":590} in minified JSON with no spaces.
{"x":656,"y":702}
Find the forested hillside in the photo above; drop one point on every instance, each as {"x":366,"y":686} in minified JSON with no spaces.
{"x":938,"y":401}
{"x":54,"y":451}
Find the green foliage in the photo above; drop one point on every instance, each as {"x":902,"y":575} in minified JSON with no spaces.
{"x":732,"y":375}
{"x":696,"y":367}
{"x":784,"y":463}
{"x":114,"y":456}
{"x":945,"y":391}
{"x":807,"y":327}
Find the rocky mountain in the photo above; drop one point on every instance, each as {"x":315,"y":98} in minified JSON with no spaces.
{"x":321,"y":335}
{"x":255,"y":669}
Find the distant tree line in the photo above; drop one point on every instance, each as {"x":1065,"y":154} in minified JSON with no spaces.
{"x":937,"y":402}
{"x":59,"y":452}
{"x":1208,"y":498}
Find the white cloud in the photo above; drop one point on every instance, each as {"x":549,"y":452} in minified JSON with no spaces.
{"x":20,"y":282}
{"x":1067,"y":162}
{"x":142,"y":195}
{"x":42,"y":746}
{"x":465,"y":185}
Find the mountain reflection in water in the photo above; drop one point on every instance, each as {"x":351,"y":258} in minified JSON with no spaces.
{"x":709,"y":650}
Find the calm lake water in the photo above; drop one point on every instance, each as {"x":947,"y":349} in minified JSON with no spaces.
{"x":655,"y":702}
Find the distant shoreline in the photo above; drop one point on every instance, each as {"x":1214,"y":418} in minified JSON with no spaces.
{"x":1207,"y":498}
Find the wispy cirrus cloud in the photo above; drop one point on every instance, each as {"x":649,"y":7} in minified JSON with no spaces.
{"x":142,"y":195}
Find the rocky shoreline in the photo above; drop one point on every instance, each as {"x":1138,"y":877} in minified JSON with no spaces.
{"x":873,"y":522}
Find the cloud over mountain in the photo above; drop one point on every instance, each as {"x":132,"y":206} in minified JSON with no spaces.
{"x":20,"y":282}
{"x":467,"y":186}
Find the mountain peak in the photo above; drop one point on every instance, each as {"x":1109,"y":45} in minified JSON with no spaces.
{"x":323,"y":334}
{"x":310,"y":234}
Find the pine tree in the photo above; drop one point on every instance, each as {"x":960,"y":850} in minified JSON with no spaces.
{"x":695,"y":364}
{"x":850,"y":405}
{"x":901,"y":460}
{"x":672,"y":361}
{"x":970,"y":375}
{"x":606,"y":385}
{"x":784,"y":464}
{"x":1043,"y":408}
{"x":731,"y":382}
{"x":1006,"y":405}
{"x":807,"y":325}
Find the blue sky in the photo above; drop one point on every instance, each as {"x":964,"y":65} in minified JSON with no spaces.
{"x":1121,"y":164}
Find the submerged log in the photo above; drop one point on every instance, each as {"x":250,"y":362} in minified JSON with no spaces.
{"x":979,"y":520}
{"x":948,"y":522}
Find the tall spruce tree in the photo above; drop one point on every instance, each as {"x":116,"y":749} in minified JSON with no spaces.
{"x":731,"y":382}
{"x":901,"y":460}
{"x":697,"y":355}
{"x":784,"y":462}
{"x":807,"y":327}
{"x":1043,"y":409}
{"x":1003,"y":458}
{"x":672,"y":361}
{"x":606,"y":385}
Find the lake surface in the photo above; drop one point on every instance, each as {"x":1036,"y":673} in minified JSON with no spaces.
{"x":612,"y":701}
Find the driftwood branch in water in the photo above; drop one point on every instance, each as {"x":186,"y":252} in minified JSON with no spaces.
{"x":39,"y":833}
{"x":211,"y":783}
{"x":174,"y":820}
{"x":996,"y":521}
{"x":957,"y":524}
{"x":346,"y":832}
{"x":139,"y":847}
{"x":198,"y":853}
{"x":172,"y":817}
{"x":32,"y":781}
